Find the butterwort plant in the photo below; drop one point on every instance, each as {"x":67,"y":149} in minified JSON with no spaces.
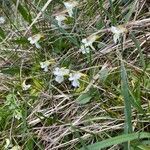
{"x":45,"y":64}
{"x":60,"y":73}
{"x":34,"y":40}
{"x":87,"y":44}
{"x":70,"y":5}
{"x":118,"y":32}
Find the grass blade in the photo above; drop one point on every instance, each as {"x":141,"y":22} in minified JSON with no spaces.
{"x":126,"y":96}
{"x":137,"y":44}
{"x":2,"y":33}
{"x":127,"y":109}
{"x":117,"y":140}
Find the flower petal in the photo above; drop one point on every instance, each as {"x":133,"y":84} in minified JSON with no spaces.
{"x":75,"y":83}
{"x":37,"y":45}
{"x":116,"y":37}
{"x":2,"y":20}
{"x":25,"y":86}
{"x":59,"y":79}
{"x":70,"y":6}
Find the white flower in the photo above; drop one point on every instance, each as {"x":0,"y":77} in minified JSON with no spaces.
{"x":2,"y":20}
{"x":8,"y":143}
{"x":60,"y":20}
{"x":117,"y":31}
{"x":84,"y":49}
{"x":17,"y":114}
{"x":70,"y":5}
{"x":60,"y":73}
{"x":25,"y":86}
{"x":87,"y":43}
{"x":44,"y":65}
{"x":89,"y":40}
{"x":34,"y":40}
{"x":74,"y":78}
